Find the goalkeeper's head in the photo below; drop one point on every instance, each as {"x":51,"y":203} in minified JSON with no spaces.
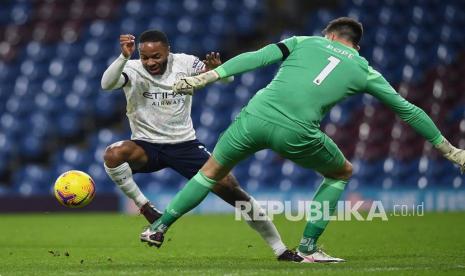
{"x":346,"y":30}
{"x":154,"y":49}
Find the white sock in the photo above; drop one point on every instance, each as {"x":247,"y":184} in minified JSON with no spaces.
{"x":265,"y":228}
{"x":122,"y":176}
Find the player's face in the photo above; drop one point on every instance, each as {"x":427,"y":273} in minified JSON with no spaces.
{"x":154,"y":57}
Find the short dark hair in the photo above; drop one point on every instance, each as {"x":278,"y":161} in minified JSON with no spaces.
{"x":347,"y":28}
{"x":154,"y":36}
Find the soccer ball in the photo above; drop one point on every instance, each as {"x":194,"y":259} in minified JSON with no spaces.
{"x":74,"y":189}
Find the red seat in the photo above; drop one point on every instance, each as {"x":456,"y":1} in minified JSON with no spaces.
{"x":71,"y":30}
{"x":46,"y":31}
{"x":17,"y":34}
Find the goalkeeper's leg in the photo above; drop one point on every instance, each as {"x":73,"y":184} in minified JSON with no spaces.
{"x":329,"y":161}
{"x":192,"y":194}
{"x":329,"y":191}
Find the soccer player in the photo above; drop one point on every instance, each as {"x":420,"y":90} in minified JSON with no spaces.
{"x":161,"y":126}
{"x":315,"y":74}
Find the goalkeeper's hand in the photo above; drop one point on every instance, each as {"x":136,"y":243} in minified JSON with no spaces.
{"x":187,"y":85}
{"x":453,"y":154}
{"x":457,"y":156}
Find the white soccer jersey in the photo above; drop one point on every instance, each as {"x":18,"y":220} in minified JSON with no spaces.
{"x":156,"y":114}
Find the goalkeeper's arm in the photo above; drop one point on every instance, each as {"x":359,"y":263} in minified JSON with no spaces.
{"x":245,"y":62}
{"x":249,"y":61}
{"x":414,"y":116}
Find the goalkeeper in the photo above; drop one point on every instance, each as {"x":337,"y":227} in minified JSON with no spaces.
{"x":315,"y":74}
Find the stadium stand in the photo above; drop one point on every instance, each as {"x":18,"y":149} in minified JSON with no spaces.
{"x":55,"y":117}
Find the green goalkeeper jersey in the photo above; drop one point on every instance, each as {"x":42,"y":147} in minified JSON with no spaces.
{"x":315,"y":74}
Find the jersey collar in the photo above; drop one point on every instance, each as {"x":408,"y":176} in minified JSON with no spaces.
{"x":352,"y":50}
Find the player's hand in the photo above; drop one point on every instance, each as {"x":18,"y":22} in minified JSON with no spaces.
{"x":128,"y":45}
{"x":187,"y":85}
{"x":212,"y":61}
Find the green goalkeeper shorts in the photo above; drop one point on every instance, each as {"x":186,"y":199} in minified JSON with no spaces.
{"x":249,"y":134}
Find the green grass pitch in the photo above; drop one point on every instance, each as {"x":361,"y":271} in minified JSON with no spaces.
{"x":108,"y":244}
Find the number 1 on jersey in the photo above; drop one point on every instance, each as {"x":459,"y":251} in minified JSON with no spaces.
{"x":333,"y":62}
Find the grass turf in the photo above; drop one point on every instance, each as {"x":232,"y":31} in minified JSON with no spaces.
{"x":107,"y":244}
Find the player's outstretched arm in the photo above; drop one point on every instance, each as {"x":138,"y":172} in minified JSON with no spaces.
{"x":245,"y":62}
{"x":112,"y":77}
{"x":414,"y":116}
{"x":212,"y":61}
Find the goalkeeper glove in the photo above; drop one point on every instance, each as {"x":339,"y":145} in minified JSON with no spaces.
{"x":452,"y":153}
{"x":187,"y":85}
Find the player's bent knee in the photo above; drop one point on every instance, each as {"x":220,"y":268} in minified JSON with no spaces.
{"x":116,"y":154}
{"x":345,"y":173}
{"x":348,"y":170}
{"x":111,"y":157}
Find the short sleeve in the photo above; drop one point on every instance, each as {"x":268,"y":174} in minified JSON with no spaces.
{"x":196,"y":66}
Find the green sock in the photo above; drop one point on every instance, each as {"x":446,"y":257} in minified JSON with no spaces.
{"x":185,"y":200}
{"x":329,"y":191}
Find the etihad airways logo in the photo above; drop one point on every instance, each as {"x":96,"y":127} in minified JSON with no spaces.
{"x":161,"y":95}
{"x":164,"y":98}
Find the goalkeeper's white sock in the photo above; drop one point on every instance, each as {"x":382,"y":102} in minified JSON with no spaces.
{"x":122,"y":176}
{"x":265,"y":228}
